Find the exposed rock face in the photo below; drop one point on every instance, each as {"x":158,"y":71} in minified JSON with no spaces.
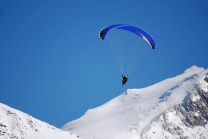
{"x":188,"y":120}
{"x":197,"y":108}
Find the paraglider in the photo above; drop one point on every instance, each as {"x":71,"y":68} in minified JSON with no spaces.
{"x":124,"y":79}
{"x":124,"y":43}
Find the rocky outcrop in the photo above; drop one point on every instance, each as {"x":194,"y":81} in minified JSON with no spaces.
{"x":197,"y":108}
{"x":187,"y":120}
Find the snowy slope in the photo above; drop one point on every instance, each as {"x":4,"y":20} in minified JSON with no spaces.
{"x":18,"y":125}
{"x":126,"y":116}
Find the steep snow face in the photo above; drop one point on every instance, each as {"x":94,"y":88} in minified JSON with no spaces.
{"x":17,"y":125}
{"x":186,"y":120}
{"x":125,"y":116}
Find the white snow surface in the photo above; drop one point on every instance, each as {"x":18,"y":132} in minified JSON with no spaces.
{"x":125,"y":116}
{"x":15,"y":124}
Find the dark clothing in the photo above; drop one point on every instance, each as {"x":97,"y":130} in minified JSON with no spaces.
{"x":124,"y":79}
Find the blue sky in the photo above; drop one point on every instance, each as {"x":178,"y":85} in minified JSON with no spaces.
{"x":54,"y":66}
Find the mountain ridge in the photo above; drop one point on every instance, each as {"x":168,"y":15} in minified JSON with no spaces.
{"x":130,"y":112}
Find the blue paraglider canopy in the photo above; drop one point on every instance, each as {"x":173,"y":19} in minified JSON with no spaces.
{"x":127,"y":45}
{"x":138,"y":31}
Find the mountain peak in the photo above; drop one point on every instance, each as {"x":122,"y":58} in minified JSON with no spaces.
{"x":193,"y":68}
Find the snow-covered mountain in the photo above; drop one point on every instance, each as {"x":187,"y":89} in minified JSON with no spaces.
{"x":174,"y":108}
{"x":151,"y":112}
{"x":18,"y":125}
{"x":185,"y":120}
